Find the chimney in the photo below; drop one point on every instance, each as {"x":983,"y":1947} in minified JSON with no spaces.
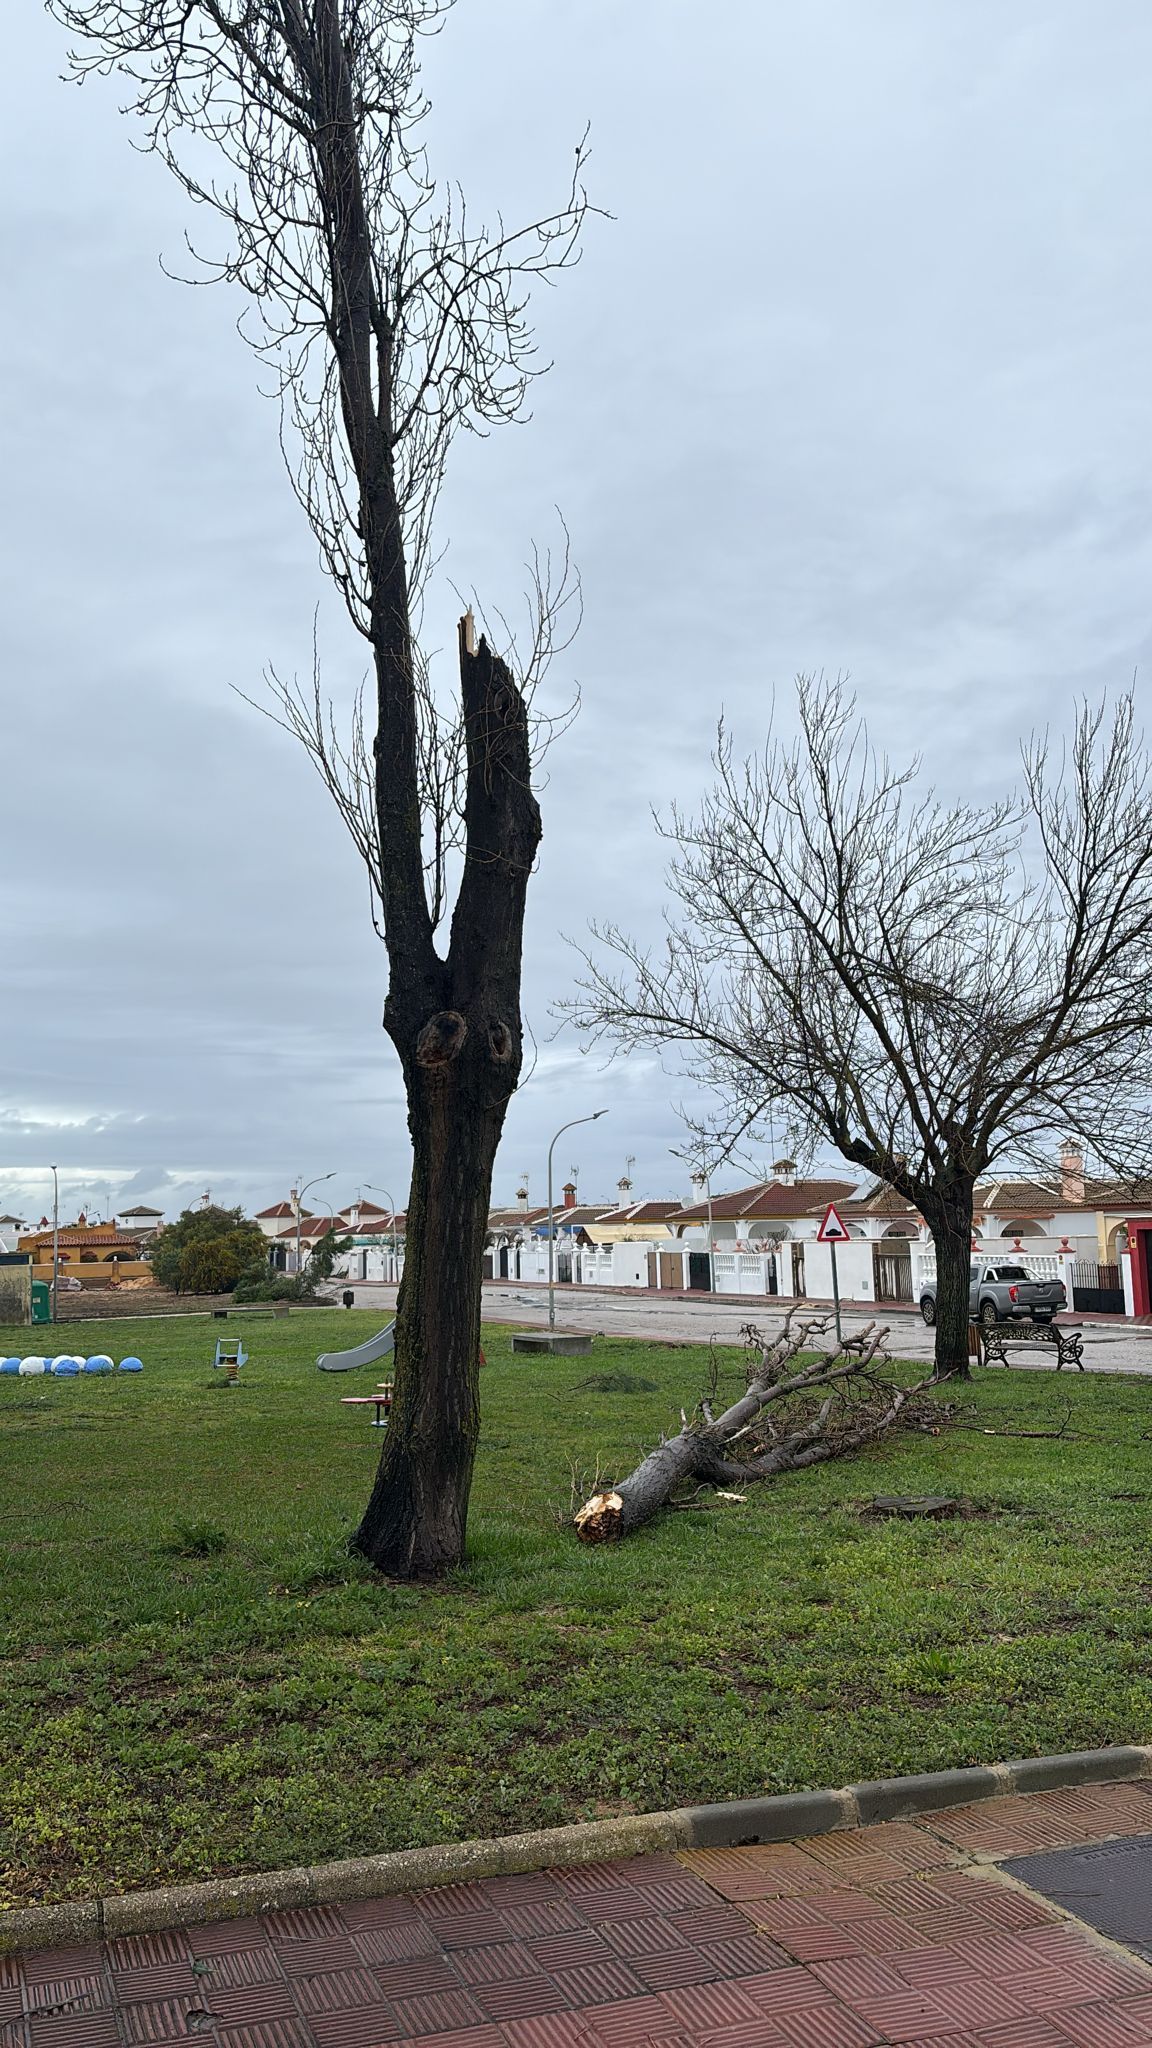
{"x":1072,"y":1174}
{"x":785,"y":1171}
{"x":569,"y":1194}
{"x":522,"y":1197}
{"x":624,"y":1190}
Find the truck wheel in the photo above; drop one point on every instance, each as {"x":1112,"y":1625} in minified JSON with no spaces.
{"x":989,"y":1312}
{"x":928,"y":1310}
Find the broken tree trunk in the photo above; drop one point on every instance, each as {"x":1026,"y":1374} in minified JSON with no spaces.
{"x":856,"y":1405}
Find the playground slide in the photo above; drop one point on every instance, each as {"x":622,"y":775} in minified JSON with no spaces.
{"x":379,"y":1346}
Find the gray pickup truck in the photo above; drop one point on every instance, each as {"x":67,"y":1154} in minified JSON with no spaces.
{"x":1002,"y":1293}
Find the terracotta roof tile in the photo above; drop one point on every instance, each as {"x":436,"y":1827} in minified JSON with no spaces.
{"x":770,"y":1199}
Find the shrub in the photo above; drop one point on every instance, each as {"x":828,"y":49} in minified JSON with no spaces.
{"x":206,"y":1250}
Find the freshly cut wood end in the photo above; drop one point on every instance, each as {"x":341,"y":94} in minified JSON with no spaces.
{"x":598,"y":1521}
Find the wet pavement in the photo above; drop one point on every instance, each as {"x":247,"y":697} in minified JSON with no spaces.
{"x":1108,"y":1346}
{"x":914,"y":1933}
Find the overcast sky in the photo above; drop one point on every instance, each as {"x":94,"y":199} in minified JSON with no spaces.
{"x":858,"y":378}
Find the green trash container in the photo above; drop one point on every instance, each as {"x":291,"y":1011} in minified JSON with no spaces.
{"x":41,"y":1302}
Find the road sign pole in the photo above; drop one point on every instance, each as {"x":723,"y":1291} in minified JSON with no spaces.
{"x":835,"y":1294}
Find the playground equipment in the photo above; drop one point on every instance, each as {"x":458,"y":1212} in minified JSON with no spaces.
{"x":230,"y":1353}
{"x":67,"y":1365}
{"x":369,"y":1353}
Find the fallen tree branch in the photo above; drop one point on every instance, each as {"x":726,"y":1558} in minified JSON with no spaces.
{"x":774,"y":1424}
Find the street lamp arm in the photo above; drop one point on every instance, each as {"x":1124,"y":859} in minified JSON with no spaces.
{"x":596,"y":1113}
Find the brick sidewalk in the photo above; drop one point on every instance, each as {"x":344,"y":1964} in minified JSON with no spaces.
{"x":903,"y":1933}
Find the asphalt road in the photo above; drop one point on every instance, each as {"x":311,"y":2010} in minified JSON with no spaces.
{"x":1108,"y":1347}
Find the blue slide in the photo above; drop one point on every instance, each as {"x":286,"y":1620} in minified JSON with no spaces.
{"x":377,"y":1347}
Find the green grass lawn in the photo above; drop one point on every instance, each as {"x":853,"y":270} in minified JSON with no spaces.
{"x":196,"y":1677}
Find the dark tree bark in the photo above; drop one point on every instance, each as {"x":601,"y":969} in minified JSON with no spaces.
{"x":950,"y":1220}
{"x":461,"y":1064}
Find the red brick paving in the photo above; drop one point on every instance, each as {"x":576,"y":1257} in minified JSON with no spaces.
{"x":903,"y":1933}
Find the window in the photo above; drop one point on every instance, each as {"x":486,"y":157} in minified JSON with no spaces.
{"x":1010,"y":1273}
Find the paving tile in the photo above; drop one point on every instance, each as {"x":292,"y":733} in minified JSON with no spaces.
{"x":413,"y":1979}
{"x":394,"y":1910}
{"x":464,"y":2037}
{"x":334,"y":1990}
{"x":925,"y":1967}
{"x":631,"y":2022}
{"x":661,"y":1972}
{"x":905,"y":2015}
{"x":519,"y":1888}
{"x":469,"y":1930}
{"x":74,"y":2030}
{"x":617,"y":1905}
{"x":439,"y":2012}
{"x":913,"y":1896}
{"x":569,"y":1951}
{"x":1031,"y":2033}
{"x":819,"y":1944}
{"x":955,"y":1924}
{"x":13,"y":2034}
{"x":520,"y":1998}
{"x":51,"y":1965}
{"x":11,"y":2002}
{"x":790,"y":1989}
{"x":645,"y":1937}
{"x":1048,"y":1988}
{"x":9,"y":1971}
{"x":761,"y":2033}
{"x":326,"y":1952}
{"x":164,"y":2021}
{"x":684,"y":1894}
{"x":365,"y":2026}
{"x":744,"y":1958}
{"x":238,"y":1966}
{"x":826,"y":2026}
{"x":443,"y":1902}
{"x":974,"y":2003}
{"x":704,"y":2008}
{"x":140,"y":1951}
{"x":496,"y":1963}
{"x":243,"y":2004}
{"x":160,"y":1980}
{"x":265,"y":2034}
{"x":1010,"y":1909}
{"x":540,"y":1917}
{"x":853,"y":1978}
{"x":844,"y":1906}
{"x":76,"y":1994}
{"x":303,"y":1923}
{"x":547,"y":2030}
{"x":1100,"y":2026}
{"x":592,"y":1983}
{"x":711,"y":1923}
{"x":774,"y":1915}
{"x":220,"y":1936}
{"x":396,"y":1944}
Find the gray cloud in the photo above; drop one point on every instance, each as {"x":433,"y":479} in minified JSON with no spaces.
{"x":856,"y":380}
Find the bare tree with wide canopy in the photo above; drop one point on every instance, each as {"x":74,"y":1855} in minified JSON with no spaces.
{"x":929,"y":987}
{"x":389,"y":321}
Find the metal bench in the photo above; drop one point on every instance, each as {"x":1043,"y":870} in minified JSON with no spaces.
{"x":997,"y":1338}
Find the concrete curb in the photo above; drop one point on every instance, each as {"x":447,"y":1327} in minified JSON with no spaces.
{"x":732,"y":1824}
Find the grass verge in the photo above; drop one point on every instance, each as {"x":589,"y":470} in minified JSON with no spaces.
{"x":196,"y":1678}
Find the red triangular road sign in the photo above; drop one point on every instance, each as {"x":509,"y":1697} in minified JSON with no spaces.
{"x":832,"y":1230}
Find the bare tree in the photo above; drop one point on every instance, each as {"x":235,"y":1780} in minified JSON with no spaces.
{"x":928,"y":987}
{"x":792,"y":1415}
{"x":389,"y":321}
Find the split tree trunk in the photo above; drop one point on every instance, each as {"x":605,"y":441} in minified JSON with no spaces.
{"x":456,"y":1025}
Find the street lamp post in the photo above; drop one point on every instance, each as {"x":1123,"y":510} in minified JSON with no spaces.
{"x":701,"y":1178}
{"x":300,"y":1193}
{"x":551,"y":1232}
{"x":55,"y":1240}
{"x":375,"y":1190}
